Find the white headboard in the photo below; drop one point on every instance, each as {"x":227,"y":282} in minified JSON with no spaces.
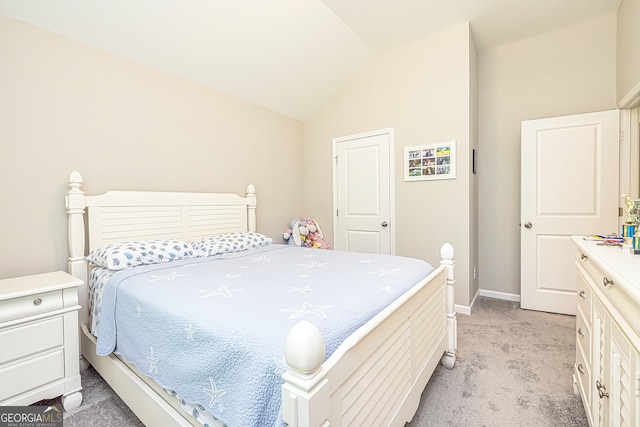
{"x":119,"y":216}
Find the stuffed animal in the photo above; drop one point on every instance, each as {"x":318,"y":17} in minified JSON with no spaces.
{"x":305,"y":232}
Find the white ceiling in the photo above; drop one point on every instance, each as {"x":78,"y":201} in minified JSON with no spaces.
{"x":289,"y":56}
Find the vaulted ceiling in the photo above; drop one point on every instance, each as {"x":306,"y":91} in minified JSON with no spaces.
{"x":289,"y":56}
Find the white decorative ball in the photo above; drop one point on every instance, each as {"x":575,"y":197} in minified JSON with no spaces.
{"x":305,"y":349}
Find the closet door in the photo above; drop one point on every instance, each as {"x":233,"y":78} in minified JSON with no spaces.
{"x":363,"y":193}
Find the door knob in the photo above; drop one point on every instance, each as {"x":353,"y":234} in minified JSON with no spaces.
{"x":528,"y":225}
{"x":385,"y":223}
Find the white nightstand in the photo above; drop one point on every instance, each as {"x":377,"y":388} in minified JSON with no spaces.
{"x":39,"y":348}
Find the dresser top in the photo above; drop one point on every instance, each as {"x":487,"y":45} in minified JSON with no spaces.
{"x":28,"y":285}
{"x":619,"y":263}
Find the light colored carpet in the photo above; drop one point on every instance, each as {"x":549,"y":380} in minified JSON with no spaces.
{"x":100,"y":406}
{"x":513,"y":369}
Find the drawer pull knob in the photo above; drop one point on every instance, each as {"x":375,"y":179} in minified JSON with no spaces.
{"x":580,"y":332}
{"x":606,"y":281}
{"x":601,"y":390}
{"x":583,"y":256}
{"x":37,"y":301}
{"x":582,"y":295}
{"x":581,"y":368}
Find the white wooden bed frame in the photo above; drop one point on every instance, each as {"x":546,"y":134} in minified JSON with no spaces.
{"x":376,"y":377}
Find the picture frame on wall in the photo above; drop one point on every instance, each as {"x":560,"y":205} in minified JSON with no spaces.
{"x":430,"y":161}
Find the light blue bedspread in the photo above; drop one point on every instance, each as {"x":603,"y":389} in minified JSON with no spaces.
{"x":214,"y":329}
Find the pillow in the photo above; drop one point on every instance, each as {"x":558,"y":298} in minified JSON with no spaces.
{"x":118,"y":256}
{"x":230,"y":242}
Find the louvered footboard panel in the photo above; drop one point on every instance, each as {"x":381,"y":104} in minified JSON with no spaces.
{"x":429,"y":325}
{"x":382,"y":370}
{"x":365,"y":398}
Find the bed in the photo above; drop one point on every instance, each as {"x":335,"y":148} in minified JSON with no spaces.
{"x":373,"y":375}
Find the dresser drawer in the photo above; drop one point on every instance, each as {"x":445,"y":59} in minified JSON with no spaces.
{"x":593,"y":272}
{"x":584,"y":299}
{"x":31,"y":338}
{"x":17,"y":308}
{"x":31,"y":373}
{"x":583,"y":374}
{"x":583,"y":336}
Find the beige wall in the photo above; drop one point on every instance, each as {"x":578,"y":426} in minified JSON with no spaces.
{"x":422,"y":91}
{"x":628,"y":60}
{"x":564,"y":72}
{"x":64,"y":106}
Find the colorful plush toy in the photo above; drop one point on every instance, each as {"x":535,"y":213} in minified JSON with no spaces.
{"x":305,"y":232}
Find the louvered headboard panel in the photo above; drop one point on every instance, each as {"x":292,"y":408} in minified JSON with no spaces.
{"x":207,"y":220}
{"x":119,"y":216}
{"x":109,"y":224}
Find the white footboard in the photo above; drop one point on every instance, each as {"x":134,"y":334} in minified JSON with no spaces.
{"x":376,"y":377}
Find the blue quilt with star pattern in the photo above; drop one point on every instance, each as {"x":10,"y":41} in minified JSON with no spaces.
{"x":213,"y":329}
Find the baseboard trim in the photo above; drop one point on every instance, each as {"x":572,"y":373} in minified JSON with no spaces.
{"x":463,"y":309}
{"x":499,"y":295}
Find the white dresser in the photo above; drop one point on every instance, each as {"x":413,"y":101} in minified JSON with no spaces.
{"x":607,"y":368}
{"x":39,"y":347}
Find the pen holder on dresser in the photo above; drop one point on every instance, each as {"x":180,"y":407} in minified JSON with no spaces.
{"x":631,"y":238}
{"x":629,"y":232}
{"x":630,"y":225}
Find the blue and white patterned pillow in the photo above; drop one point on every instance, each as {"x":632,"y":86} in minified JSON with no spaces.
{"x":230,"y":242}
{"x":118,"y":256}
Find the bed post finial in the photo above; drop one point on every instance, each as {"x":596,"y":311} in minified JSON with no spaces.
{"x":252,"y":202}
{"x":447,"y":253}
{"x":305,"y":350}
{"x":306,"y":378}
{"x":75,"y":204}
{"x":75,"y":181}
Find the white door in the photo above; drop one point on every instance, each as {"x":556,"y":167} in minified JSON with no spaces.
{"x":363,"y":192}
{"x":569,"y":186}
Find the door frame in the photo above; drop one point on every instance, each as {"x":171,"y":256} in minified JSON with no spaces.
{"x":392,"y":204}
{"x":629,"y":153}
{"x":629,"y":107}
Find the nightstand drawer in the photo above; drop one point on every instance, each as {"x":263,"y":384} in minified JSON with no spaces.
{"x":32,"y":338}
{"x":17,"y":308}
{"x":32,"y":373}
